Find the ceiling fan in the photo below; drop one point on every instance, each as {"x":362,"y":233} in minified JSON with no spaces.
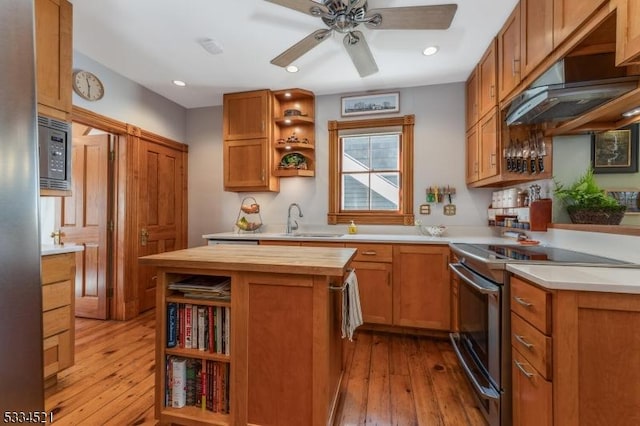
{"x":344,"y":16}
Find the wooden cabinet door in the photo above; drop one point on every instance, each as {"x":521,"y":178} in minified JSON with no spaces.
{"x":487,"y":94}
{"x":247,"y":115}
{"x":628,"y":32}
{"x":472,"y":99}
{"x":536,"y":23}
{"x":532,"y":394}
{"x":568,"y":15}
{"x":472,"y":155}
{"x":421,"y":287}
{"x":488,"y":151}
{"x":247,"y":165}
{"x":54,"y":57}
{"x":374,"y":282}
{"x":509,"y":54}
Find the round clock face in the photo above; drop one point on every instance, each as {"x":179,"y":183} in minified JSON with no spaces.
{"x":87,"y":85}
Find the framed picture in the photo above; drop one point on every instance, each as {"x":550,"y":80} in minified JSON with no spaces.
{"x":615,"y":151}
{"x":381,"y":103}
{"x":629,"y":197}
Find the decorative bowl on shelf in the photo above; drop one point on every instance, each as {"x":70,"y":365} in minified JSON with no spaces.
{"x":433,"y":231}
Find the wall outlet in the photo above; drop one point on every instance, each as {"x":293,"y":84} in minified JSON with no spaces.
{"x":450,"y":210}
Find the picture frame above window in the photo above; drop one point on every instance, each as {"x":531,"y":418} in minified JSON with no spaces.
{"x":615,"y":151}
{"x":379,"y":103}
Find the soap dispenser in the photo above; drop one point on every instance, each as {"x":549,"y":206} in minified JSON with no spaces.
{"x":353,"y":228}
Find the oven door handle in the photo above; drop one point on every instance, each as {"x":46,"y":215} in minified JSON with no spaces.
{"x":479,"y":283}
{"x":486,"y":392}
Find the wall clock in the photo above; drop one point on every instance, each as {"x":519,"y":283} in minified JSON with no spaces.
{"x":87,"y":85}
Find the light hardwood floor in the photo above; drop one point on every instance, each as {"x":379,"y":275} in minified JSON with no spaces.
{"x":390,"y":379}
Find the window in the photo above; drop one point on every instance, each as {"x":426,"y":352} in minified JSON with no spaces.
{"x":371,"y":171}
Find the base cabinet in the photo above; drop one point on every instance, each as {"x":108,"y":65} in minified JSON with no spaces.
{"x":58,"y":321}
{"x":421,"y":287}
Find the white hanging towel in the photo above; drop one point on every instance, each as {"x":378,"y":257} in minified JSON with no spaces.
{"x":351,"y":310}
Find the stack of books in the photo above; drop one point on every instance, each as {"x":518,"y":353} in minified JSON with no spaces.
{"x":204,"y":287}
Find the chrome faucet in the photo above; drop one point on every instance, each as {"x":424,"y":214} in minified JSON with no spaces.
{"x":293,"y":225}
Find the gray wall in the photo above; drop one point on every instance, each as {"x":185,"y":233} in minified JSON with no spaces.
{"x":438,"y":160}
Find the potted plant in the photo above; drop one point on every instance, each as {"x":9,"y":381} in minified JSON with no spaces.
{"x":588,"y":203}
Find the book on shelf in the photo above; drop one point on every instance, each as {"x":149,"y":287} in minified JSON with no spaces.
{"x":179,"y":382}
{"x":202,"y":322}
{"x":204,"y":287}
{"x":187,"y":325}
{"x":172,"y":324}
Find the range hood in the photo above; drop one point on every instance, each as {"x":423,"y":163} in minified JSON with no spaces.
{"x":571,"y":87}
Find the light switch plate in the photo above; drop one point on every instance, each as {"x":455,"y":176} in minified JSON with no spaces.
{"x":425,"y":209}
{"x":450,"y":210}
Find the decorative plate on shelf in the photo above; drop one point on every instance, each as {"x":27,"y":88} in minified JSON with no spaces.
{"x":294,"y":160}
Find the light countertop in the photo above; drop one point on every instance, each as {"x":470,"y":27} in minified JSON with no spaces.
{"x":48,"y":249}
{"x":557,"y":277}
{"x":358,"y":238}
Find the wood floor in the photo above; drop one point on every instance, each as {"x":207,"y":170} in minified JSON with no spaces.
{"x":390,"y":380}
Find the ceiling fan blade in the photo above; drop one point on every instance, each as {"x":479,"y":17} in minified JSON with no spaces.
{"x":305,"y":6}
{"x":436,"y":17}
{"x":360,"y":53}
{"x":301,"y":47}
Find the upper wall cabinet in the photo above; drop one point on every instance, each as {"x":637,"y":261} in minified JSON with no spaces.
{"x":472,"y":99}
{"x":487,"y":79}
{"x":568,"y":15}
{"x":627,"y":32}
{"x":53,"y":37}
{"x":509,"y":74}
{"x":536,"y":25}
{"x":247,"y":132}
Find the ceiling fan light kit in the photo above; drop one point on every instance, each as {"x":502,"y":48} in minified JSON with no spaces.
{"x":343,"y":16}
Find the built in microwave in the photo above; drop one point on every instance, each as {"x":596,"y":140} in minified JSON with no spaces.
{"x":54,"y":148}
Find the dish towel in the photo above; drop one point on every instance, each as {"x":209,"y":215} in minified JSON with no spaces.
{"x":351,"y":310}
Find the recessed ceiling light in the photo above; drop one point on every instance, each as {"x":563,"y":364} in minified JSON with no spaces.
{"x":287,"y":121}
{"x":287,"y":95}
{"x":631,"y":113}
{"x":179,"y":83}
{"x":292,"y":68}
{"x":431,"y":50}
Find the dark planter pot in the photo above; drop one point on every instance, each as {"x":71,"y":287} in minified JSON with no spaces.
{"x":597,"y":216}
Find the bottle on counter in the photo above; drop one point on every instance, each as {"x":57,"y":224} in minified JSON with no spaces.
{"x":352,"y":229}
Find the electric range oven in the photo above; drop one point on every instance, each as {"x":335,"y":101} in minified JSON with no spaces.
{"x":482,"y":344}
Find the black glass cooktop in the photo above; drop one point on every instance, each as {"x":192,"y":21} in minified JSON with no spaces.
{"x":542,"y":254}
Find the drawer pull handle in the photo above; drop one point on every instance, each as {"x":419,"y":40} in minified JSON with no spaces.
{"x":521,"y":368}
{"x":369,"y":253}
{"x":523,"y":342}
{"x":523,"y":302}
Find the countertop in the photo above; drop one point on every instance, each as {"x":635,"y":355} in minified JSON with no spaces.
{"x":358,"y":238}
{"x":257,"y":258}
{"x":556,"y":277}
{"x":48,"y":249}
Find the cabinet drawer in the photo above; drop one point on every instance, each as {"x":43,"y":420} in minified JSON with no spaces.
{"x":56,"y":321}
{"x":372,"y":252}
{"x":57,"y":353}
{"x":57,"y":267}
{"x":532,"y":394}
{"x":532,"y":344}
{"x":531,"y":303}
{"x":56,"y":295}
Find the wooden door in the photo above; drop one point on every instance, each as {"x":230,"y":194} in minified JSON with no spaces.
{"x":161,"y":210}
{"x":536,"y":34}
{"x":84,"y":219}
{"x":568,"y":15}
{"x":421,"y":287}
{"x":488,"y":152}
{"x":487,"y":94}
{"x":628,"y":32}
{"x":509,"y":54}
{"x":374,"y":283}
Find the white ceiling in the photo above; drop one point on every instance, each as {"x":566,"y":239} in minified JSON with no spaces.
{"x":153,"y":42}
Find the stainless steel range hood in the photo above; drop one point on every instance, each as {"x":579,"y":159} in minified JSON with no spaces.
{"x":570,"y":88}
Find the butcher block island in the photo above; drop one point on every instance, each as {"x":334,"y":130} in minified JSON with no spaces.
{"x":267,"y":350}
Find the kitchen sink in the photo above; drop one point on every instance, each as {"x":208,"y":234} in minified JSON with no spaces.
{"x":314,"y":235}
